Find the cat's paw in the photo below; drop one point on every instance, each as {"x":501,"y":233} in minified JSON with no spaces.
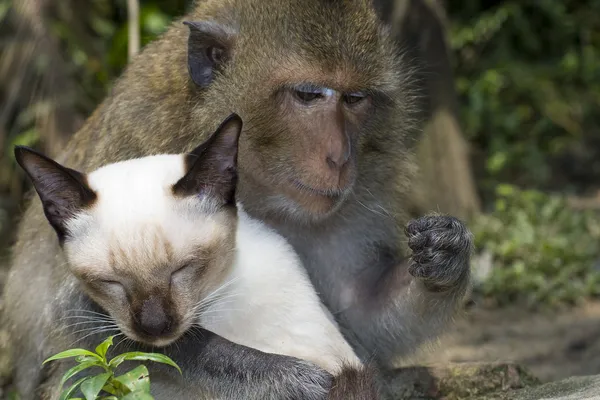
{"x":441,"y":247}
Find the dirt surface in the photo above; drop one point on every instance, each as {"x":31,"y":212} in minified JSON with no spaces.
{"x":552,"y":345}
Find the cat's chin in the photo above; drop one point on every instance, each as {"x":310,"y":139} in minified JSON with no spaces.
{"x":162,"y":341}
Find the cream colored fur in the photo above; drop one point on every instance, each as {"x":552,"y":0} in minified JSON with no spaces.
{"x":263,"y":300}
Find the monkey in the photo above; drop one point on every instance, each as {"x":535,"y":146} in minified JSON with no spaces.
{"x":325,"y":159}
{"x":162,"y":245}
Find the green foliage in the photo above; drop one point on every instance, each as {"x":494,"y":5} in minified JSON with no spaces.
{"x":87,"y":43}
{"x":528,"y":76}
{"x":543,"y":250}
{"x":132,"y":385}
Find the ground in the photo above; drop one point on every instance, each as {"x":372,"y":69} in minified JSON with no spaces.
{"x":553,"y":345}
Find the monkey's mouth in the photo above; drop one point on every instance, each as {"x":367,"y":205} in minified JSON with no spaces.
{"x":318,"y":202}
{"x":332,"y":193}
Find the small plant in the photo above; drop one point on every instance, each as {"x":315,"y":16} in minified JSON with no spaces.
{"x":132,"y":385}
{"x":544,"y":251}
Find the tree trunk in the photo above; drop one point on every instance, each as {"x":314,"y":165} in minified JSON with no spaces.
{"x":445,"y":182}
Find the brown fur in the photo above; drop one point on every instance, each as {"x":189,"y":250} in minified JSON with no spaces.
{"x":349,"y":233}
{"x":354,"y":384}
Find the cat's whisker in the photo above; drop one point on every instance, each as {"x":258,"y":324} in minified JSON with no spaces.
{"x":88,"y":312}
{"x":94,"y":327}
{"x":96,"y":332}
{"x":222,"y":287}
{"x":196,"y":331}
{"x":86,"y":317}
{"x":195,"y":313}
{"x":123,"y":339}
{"x":205,"y":304}
{"x":81,"y":323}
{"x":219,"y":311}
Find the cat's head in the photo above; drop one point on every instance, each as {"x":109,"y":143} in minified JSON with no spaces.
{"x":150,"y":238}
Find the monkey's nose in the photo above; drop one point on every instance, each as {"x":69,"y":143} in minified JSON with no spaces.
{"x":337,"y":161}
{"x":152,"y":319}
{"x":338,"y":153}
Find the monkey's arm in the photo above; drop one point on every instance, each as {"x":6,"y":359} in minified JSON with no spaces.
{"x":214,"y":367}
{"x":401,"y":306}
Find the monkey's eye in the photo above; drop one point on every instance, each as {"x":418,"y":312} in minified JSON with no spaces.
{"x":353,"y":98}
{"x":307,"y":96}
{"x":308,"y":92}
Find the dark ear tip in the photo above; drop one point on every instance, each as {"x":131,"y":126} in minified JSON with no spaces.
{"x":233,"y":117}
{"x":190,"y":24}
{"x":231,"y":120}
{"x":20,"y":151}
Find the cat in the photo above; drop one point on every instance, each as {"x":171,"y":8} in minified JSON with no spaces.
{"x":160,"y":244}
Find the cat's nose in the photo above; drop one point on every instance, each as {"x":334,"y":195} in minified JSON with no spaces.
{"x":153,"y":320}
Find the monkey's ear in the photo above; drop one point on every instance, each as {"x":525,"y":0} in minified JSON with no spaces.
{"x":212,"y":166}
{"x":63,"y":191}
{"x":209,"y":46}
{"x":384,"y":10}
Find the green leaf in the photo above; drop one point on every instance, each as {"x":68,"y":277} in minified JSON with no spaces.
{"x":91,"y":387}
{"x":82,"y":359}
{"x":139,"y":356}
{"x":110,"y":388}
{"x":76,"y":369}
{"x":138,"y":396}
{"x":72,"y":353}
{"x":135,"y":380}
{"x":102,"y":348}
{"x":66,"y":394}
{"x":119,"y":388}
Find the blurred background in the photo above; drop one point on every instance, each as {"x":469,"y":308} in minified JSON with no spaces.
{"x":511,"y":144}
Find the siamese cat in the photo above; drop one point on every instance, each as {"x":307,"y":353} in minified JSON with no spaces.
{"x":160,"y":245}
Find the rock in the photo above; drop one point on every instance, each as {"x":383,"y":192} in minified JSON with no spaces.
{"x":5,"y":364}
{"x":482,"y":381}
{"x":454,"y":381}
{"x":575,"y":388}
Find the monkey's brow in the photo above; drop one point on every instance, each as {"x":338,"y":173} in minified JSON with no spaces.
{"x":309,"y":87}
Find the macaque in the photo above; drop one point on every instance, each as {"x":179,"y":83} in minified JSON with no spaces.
{"x":325,"y":159}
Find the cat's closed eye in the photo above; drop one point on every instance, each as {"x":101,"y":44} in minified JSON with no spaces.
{"x":109,"y":282}
{"x":180,"y":272}
{"x":110,"y":286}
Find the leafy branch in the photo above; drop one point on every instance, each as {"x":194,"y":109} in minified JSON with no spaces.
{"x":132,"y":385}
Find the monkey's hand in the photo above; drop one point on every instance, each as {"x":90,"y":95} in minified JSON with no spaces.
{"x":441,"y":247}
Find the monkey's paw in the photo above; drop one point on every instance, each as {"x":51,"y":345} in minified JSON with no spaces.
{"x":441,"y":247}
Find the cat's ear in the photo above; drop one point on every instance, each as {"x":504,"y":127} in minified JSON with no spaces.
{"x":212,"y":166}
{"x":209,"y":47}
{"x":63,"y":191}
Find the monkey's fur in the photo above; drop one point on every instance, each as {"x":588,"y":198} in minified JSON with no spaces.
{"x":352,"y":244}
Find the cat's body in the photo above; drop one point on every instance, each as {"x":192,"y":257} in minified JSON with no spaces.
{"x":159,"y":247}
{"x":263,"y":300}
{"x":271,"y":305}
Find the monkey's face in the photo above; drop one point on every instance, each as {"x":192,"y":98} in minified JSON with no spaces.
{"x":305,"y":153}
{"x":313,"y":82}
